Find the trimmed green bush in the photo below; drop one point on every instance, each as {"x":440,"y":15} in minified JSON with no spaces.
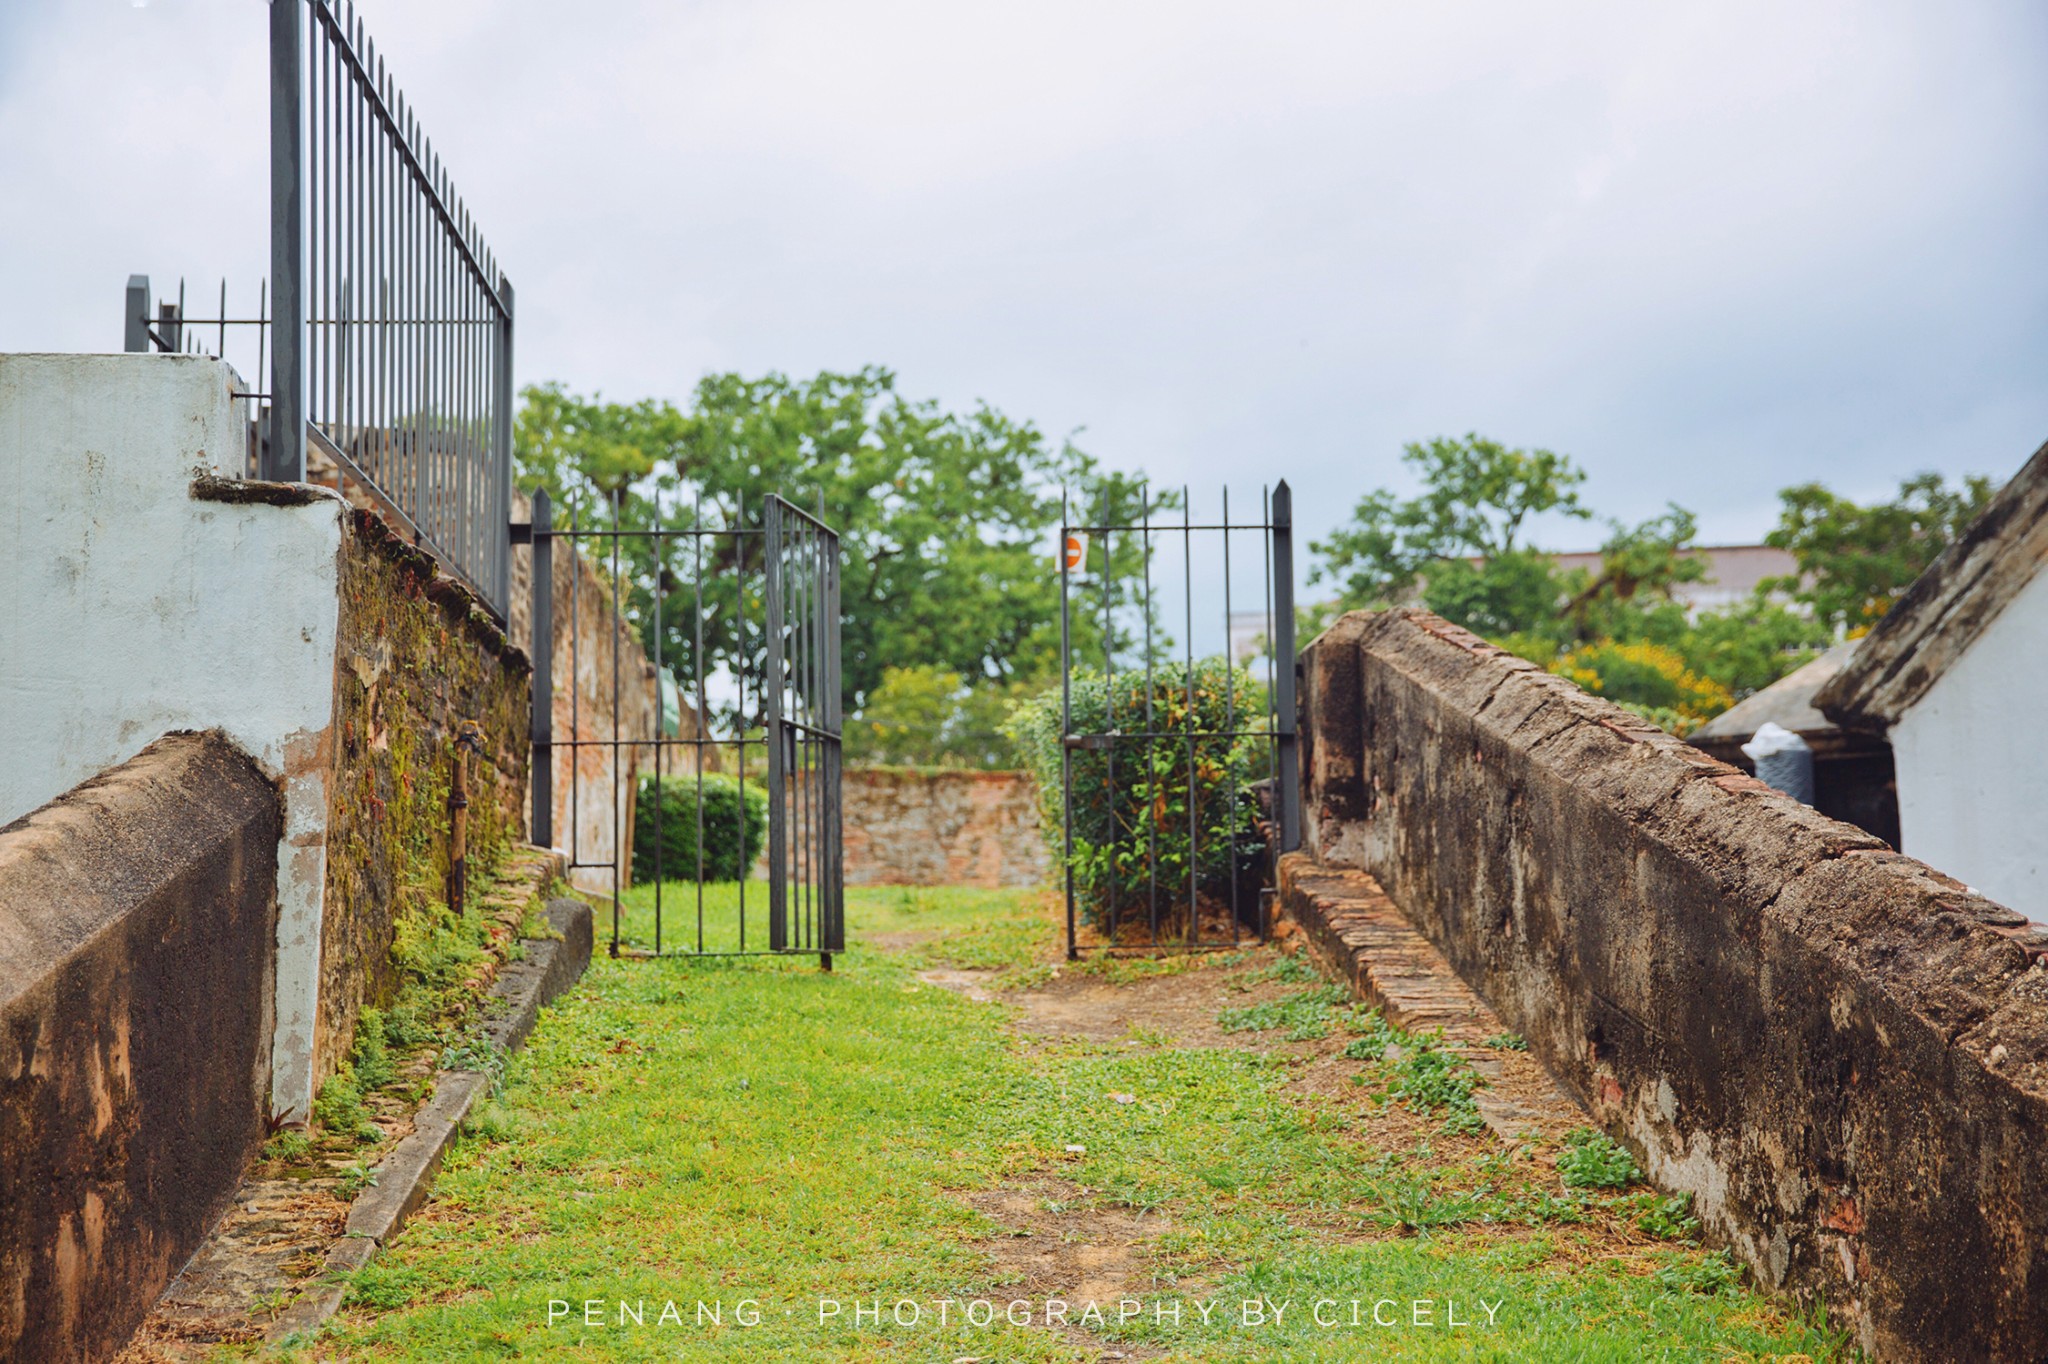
{"x":1133,"y":833}
{"x":735,"y":824}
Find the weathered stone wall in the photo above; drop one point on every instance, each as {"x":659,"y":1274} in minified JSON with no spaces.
{"x":418,"y":657}
{"x":924,"y":827}
{"x":593,"y":655}
{"x":1841,"y":1052}
{"x":137,"y":921}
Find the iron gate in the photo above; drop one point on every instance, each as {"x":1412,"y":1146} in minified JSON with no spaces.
{"x":763,"y":600}
{"x":1180,"y":780}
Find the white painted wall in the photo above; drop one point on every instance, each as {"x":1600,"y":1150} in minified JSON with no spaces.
{"x":1972,"y":760}
{"x":127,"y":608}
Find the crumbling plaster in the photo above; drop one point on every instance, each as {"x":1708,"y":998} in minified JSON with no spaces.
{"x":130,"y":607}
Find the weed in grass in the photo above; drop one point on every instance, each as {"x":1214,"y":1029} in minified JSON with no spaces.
{"x":1714,"y":1275}
{"x":356,"y":1178}
{"x":1305,"y":1015}
{"x":1543,"y":1206}
{"x":338,"y":1108}
{"x":1413,"y":1204}
{"x":1668,"y":1219}
{"x":1293,"y":969}
{"x":1593,"y":1160}
{"x":493,"y":1122}
{"x":1431,"y":1078}
{"x":288,"y":1147}
{"x":406,"y":1025}
{"x":473,"y":1050}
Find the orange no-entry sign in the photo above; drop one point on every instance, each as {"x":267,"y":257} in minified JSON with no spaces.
{"x":1077,"y":552}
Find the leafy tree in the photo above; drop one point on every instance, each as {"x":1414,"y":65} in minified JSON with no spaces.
{"x":925,"y":716}
{"x":1854,"y":561}
{"x":1618,"y":629}
{"x":1476,"y":496}
{"x":945,"y":518}
{"x":1640,"y":567}
{"x":1512,"y":592}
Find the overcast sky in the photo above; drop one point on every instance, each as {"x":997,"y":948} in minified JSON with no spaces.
{"x":1706,"y":250}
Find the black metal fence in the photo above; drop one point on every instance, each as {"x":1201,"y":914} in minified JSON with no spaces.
{"x":1180,"y":776}
{"x":765,"y":694}
{"x":384,"y":332}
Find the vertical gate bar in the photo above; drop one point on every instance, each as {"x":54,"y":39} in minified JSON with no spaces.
{"x":1230,"y":715}
{"x":1283,"y":610}
{"x":1187,"y":572}
{"x":703,"y":715}
{"x":739,"y":535}
{"x":1151,"y":727}
{"x":1109,"y":697}
{"x":1272,"y":723}
{"x":284,"y":454}
{"x":778,"y":812}
{"x":799,"y":748}
{"x":543,"y":645}
{"x":835,"y":771}
{"x":1067,"y":722}
{"x":656,"y":542}
{"x":817,"y":891}
{"x":618,"y":628}
{"x":575,"y":677}
{"x":502,"y":556}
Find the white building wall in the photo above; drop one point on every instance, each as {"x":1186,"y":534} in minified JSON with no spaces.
{"x":128,"y":609}
{"x":1972,"y":760}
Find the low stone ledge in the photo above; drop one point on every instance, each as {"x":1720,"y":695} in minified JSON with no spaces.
{"x":406,"y":1176}
{"x":1841,"y":1052}
{"x":1363,"y":939}
{"x":137,"y":939}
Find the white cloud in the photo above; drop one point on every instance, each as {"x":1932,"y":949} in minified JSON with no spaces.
{"x":1708,"y":250}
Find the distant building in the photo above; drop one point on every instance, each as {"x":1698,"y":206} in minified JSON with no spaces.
{"x":1733,"y":572}
{"x":1956,"y":677}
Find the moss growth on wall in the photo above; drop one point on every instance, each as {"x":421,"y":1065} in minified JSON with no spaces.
{"x":418,"y":657}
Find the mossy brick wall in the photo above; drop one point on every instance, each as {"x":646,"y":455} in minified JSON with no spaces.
{"x":418,"y":655}
{"x":1841,"y":1052}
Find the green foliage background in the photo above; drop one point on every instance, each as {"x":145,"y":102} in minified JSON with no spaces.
{"x":735,"y":825}
{"x":1458,"y":547}
{"x":1149,"y":815}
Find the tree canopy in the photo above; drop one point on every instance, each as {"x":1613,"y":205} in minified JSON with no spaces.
{"x":1459,"y":548}
{"x":1854,"y":561}
{"x":945,"y":518}
{"x":1476,"y":495}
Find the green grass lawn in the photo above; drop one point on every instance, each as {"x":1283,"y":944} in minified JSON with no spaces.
{"x":763,"y":1137}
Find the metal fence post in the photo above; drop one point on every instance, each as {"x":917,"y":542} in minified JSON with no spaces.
{"x":774,"y":730}
{"x":501,"y":441}
{"x":833,"y":871}
{"x":1288,"y":778}
{"x":284,"y":453}
{"x":542,"y":644}
{"x":135,"y":334}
